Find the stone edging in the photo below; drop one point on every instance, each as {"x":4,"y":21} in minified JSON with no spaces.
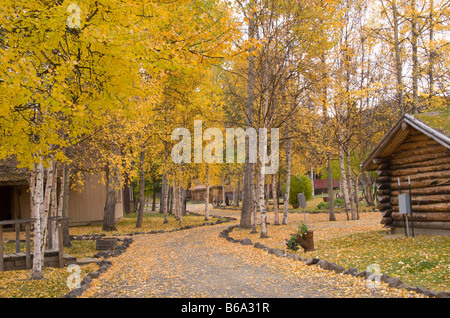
{"x":391,"y":281}
{"x":104,"y":264}
{"x":220,"y":220}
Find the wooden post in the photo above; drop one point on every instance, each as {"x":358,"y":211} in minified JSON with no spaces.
{"x":60,"y":244}
{"x":2,"y":268}
{"x":17,"y":228}
{"x":28,"y":245}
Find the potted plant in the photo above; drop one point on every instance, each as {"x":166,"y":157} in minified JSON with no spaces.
{"x":304,"y":237}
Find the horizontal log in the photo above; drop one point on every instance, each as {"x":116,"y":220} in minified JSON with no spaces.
{"x":427,"y":163}
{"x":425,"y":225}
{"x":436,"y":207}
{"x":413,"y":152}
{"x":422,"y":191}
{"x":412,"y":145}
{"x":383,"y":179}
{"x":384,"y":192}
{"x":421,"y":158}
{"x":386,"y":220}
{"x":384,"y":206}
{"x":424,"y":199}
{"x":386,"y":213}
{"x":416,"y":137}
{"x":435,"y":182}
{"x":411,"y":171}
{"x":443,"y":174}
{"x":423,"y":216}
{"x":383,"y":186}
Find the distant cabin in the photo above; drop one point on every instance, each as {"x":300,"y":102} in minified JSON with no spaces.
{"x":417,"y":147}
{"x":85,"y":207}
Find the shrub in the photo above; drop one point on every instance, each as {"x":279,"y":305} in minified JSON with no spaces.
{"x":326,"y":205}
{"x":299,"y":184}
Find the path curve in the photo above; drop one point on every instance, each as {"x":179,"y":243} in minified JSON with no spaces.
{"x":198,"y":263}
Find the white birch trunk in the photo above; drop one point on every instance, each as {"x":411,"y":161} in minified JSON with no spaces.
{"x":46,"y":208}
{"x":275,"y":198}
{"x":343,"y":178}
{"x":262,"y":206}
{"x":207,"y":194}
{"x":351,"y":185}
{"x":37,"y":202}
{"x":255,"y":191}
{"x":54,"y":210}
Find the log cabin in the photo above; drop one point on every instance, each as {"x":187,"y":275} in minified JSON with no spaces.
{"x":415,"y":149}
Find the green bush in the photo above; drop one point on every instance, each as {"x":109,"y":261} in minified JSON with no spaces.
{"x":326,"y":205}
{"x":299,"y":184}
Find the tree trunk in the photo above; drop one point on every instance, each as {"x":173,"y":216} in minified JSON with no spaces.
{"x":262,"y":206}
{"x":165,"y":197}
{"x":344,"y":185}
{"x":37,"y":204}
{"x":177,"y":199}
{"x":275,"y":198}
{"x":207,"y":194}
{"x":332,"y":216}
{"x":398,"y":62}
{"x":288,"y":169}
{"x":154,"y":197}
{"x":431,"y":56}
{"x":170,"y":198}
{"x":49,"y":183}
{"x":415,"y":60}
{"x":109,"y":216}
{"x":183,"y":199}
{"x":351,"y":185}
{"x":255,"y":191}
{"x":247,"y":201}
{"x":238,"y":191}
{"x":53,"y":239}
{"x":65,"y":206}
{"x":140,"y":215}
{"x":126,"y":194}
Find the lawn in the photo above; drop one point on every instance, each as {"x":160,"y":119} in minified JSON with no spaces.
{"x":419,"y":261}
{"x":151,"y":221}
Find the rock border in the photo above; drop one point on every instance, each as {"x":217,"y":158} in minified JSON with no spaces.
{"x":221,"y":219}
{"x":394,"y":282}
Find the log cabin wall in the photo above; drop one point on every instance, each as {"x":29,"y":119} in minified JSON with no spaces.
{"x":427,"y":163}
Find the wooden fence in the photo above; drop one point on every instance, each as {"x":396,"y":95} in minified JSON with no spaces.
{"x":21,"y":260}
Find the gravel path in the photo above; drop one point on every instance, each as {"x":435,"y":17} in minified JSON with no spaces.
{"x":197,"y":263}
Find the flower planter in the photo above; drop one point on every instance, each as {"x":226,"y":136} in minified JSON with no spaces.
{"x":307,"y":241}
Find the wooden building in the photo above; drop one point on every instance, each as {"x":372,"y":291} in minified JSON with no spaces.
{"x":85,"y":207}
{"x":415,"y":148}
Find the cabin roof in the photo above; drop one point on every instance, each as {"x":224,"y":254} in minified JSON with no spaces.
{"x":10,"y":174}
{"x":400,"y":131}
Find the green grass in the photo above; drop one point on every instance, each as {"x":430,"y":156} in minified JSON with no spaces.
{"x":419,"y":261}
{"x":151,"y":221}
{"x":438,"y":119}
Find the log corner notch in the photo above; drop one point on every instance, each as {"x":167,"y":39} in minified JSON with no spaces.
{"x":415,"y":151}
{"x":383,"y":184}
